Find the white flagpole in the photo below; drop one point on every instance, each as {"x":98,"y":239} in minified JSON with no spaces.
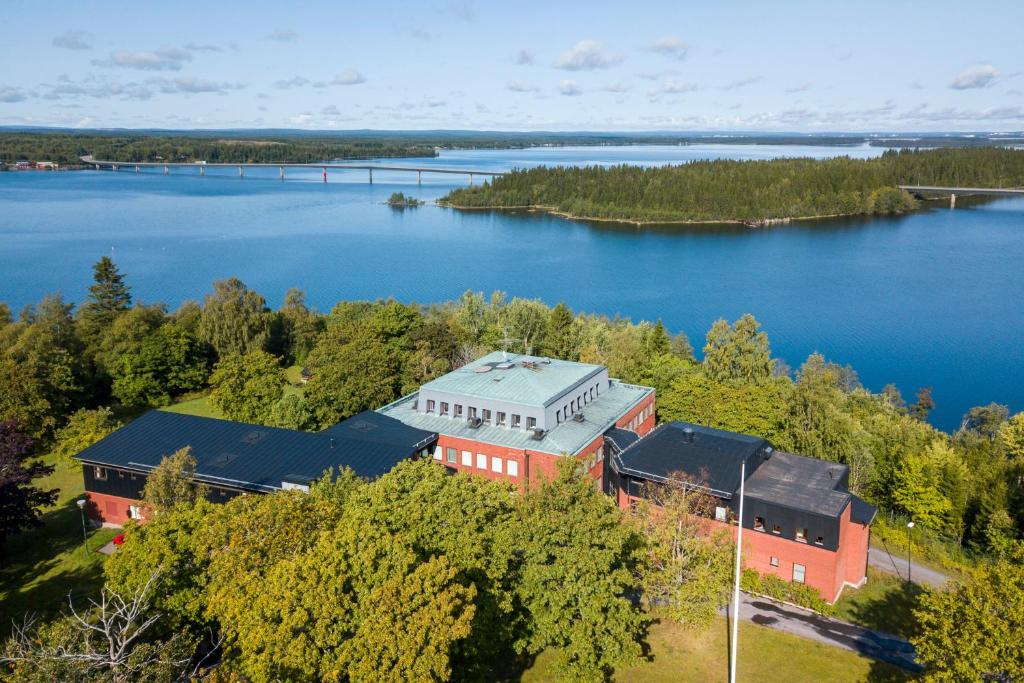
{"x":736,"y":587}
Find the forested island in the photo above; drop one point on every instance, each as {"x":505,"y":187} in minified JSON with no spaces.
{"x":723,"y":190}
{"x":66,"y":149}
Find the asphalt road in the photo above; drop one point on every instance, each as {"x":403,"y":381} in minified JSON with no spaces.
{"x":891,"y":563}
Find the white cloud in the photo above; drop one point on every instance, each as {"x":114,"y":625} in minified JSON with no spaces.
{"x":73,"y":40}
{"x":283,"y":35}
{"x":587,"y":55}
{"x":617,"y":86}
{"x":569,"y":88}
{"x":162,"y":59}
{"x":9,"y":93}
{"x":742,"y":83}
{"x":803,"y":87}
{"x":670,"y":47}
{"x":348,"y":77}
{"x":203,"y":47}
{"x":331,"y":110}
{"x":520,"y":86}
{"x":675,"y":87}
{"x":294,"y":82}
{"x":980,"y":76}
{"x":463,"y":10}
{"x":524,"y":58}
{"x":192,"y":85}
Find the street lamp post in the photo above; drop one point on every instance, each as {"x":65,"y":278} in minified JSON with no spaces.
{"x":910,"y":525}
{"x":81,"y":509}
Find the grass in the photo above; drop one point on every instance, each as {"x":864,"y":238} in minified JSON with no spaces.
{"x":40,"y":567}
{"x":680,"y":655}
{"x":885,"y":603}
{"x":200,"y":405}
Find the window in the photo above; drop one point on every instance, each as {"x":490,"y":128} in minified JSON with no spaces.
{"x":774,"y":561}
{"x":481,"y":461}
{"x":591,"y":393}
{"x":820,"y":540}
{"x":758,"y":524}
{"x":513,"y":468}
{"x":777,"y":529}
{"x":444,"y":407}
{"x":135,"y":512}
{"x":501,"y":418}
{"x":600,"y":453}
{"x":496,"y":464}
{"x":720,"y":514}
{"x":516,"y":421}
{"x":531,"y":423}
{"x":458,"y":410}
{"x":472,"y":413}
{"x":430,"y":405}
{"x":801,"y":535}
{"x":565,"y":413}
{"x":486,"y":415}
{"x":120,"y":474}
{"x":467,"y":459}
{"x":99,"y":473}
{"x":438,"y":453}
{"x":798,"y":573}
{"x":451,"y":455}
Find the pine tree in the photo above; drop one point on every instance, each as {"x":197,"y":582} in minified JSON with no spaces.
{"x":108,"y":297}
{"x":559,"y":341}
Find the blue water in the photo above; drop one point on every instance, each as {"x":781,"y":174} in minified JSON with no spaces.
{"x":935,"y":298}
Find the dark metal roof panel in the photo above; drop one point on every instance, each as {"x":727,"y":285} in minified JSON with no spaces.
{"x":862,"y":512}
{"x":800,"y":483}
{"x":251,"y":456}
{"x":621,"y":438}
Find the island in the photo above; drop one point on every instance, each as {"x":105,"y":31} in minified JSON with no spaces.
{"x":399,"y":200}
{"x":754,"y":193}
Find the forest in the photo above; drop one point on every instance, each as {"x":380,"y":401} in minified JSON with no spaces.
{"x":358,"y":559}
{"x":67,"y":148}
{"x":748,"y":191}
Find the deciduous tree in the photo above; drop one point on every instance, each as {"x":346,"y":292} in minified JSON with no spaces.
{"x":20,"y":497}
{"x":172,"y":483}
{"x":246,"y":388}
{"x":235,"y":319}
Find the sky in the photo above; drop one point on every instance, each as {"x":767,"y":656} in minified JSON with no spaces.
{"x":524,"y":65}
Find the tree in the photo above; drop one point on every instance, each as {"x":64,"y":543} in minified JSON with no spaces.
{"x":300,"y":325}
{"x":246,"y":388}
{"x":235,"y":319}
{"x":20,"y":498}
{"x":111,"y":641}
{"x":171,"y":484}
{"x":578,"y":571}
{"x":291,"y":412}
{"x":351,"y":375}
{"x":737,"y":352}
{"x":971,"y":631}
{"x":559,"y":337}
{"x":1011,"y":436}
{"x":985,"y":420}
{"x":109,"y":296}
{"x":687,"y":566}
{"x":83,"y":429}
{"x":168,"y":362}
{"x":924,"y":404}
{"x":916,"y":487}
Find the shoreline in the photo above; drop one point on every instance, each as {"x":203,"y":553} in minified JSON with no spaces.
{"x":766,"y":222}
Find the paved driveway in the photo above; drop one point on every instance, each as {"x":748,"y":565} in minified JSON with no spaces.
{"x":892,"y":563}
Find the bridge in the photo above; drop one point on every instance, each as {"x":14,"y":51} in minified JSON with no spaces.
{"x":954,"y":191}
{"x":203,"y":165}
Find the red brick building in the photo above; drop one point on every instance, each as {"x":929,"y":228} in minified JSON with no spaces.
{"x":512,"y":417}
{"x":801,"y":522}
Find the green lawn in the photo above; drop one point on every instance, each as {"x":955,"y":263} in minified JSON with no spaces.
{"x":885,"y":604}
{"x":678,"y":655}
{"x":41,"y":566}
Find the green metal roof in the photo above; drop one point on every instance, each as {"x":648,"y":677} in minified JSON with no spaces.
{"x":528,"y":380}
{"x":569,"y":437}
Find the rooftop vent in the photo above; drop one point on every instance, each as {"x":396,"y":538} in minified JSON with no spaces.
{"x":578,"y":417}
{"x":538,"y":434}
{"x":482,"y":369}
{"x":474,"y":422}
{"x":253,"y":437}
{"x":504,"y":366}
{"x":688,"y":435}
{"x":223,"y":459}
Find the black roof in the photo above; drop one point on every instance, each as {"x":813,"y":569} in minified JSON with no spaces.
{"x":621,"y":438}
{"x":801,"y":483}
{"x":258,"y":458}
{"x":711,"y":456}
{"x":862,"y":512}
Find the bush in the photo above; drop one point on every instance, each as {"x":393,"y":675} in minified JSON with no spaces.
{"x":799,"y":594}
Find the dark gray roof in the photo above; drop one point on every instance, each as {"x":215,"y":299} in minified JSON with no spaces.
{"x":621,"y":438}
{"x":862,"y":512}
{"x":259,"y":458}
{"x":800,"y":483}
{"x":712,"y":457}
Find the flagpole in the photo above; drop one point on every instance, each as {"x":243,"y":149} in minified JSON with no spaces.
{"x":736,"y":581}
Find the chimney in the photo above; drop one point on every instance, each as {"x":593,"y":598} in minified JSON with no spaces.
{"x":688,"y":434}
{"x":332,"y":442}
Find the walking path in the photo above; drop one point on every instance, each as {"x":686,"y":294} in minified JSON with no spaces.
{"x":800,"y":622}
{"x":891,"y":563}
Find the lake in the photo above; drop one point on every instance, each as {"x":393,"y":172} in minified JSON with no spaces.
{"x":935,"y":298}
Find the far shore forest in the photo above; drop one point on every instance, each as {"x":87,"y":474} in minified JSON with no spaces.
{"x":509,"y":581}
{"x":744,"y":191}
